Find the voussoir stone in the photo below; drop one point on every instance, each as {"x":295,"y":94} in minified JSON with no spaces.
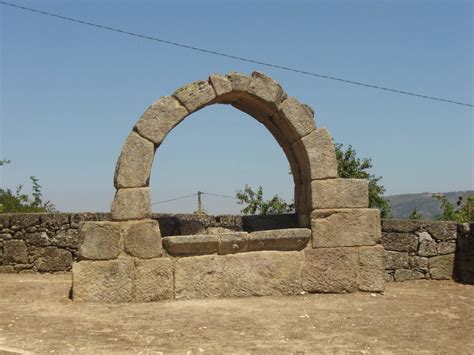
{"x":330,"y":270}
{"x":371,"y":275}
{"x":134,"y":203}
{"x":109,"y":281}
{"x":264,"y":273}
{"x":221,"y":85}
{"x":345,"y":227}
{"x":195,"y":95}
{"x":153,"y":280}
{"x":266,"y":89}
{"x":160,"y":118}
{"x":142,"y":239}
{"x":191,"y":244}
{"x":279,"y":239}
{"x":316,"y":155}
{"x":134,"y":164}
{"x":239,"y":81}
{"x":340,"y":193}
{"x":101,"y":240}
{"x":295,"y":118}
{"x":441,"y":267}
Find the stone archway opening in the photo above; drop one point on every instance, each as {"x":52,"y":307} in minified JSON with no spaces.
{"x":335,"y":249}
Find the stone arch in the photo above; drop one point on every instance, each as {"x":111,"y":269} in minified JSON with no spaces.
{"x":336,"y":249}
{"x":309,"y":150}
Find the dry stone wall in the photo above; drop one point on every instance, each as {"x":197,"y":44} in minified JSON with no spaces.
{"x":49,"y":243}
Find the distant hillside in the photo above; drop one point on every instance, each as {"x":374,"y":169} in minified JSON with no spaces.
{"x":403,"y":205}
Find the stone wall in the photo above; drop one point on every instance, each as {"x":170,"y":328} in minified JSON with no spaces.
{"x":413,"y":249}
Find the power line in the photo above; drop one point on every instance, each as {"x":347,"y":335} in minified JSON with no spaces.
{"x":218,"y":195}
{"x":243,"y":59}
{"x":173,"y":199}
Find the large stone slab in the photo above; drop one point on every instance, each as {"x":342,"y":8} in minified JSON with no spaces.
{"x":195,"y":95}
{"x":108,"y":281}
{"x":153,"y":280}
{"x":232,"y":243}
{"x":279,"y":239}
{"x":262,"y":273}
{"x":371,"y":275}
{"x":316,"y":155}
{"x":101,"y":240}
{"x":191,"y":244}
{"x":441,"y":267}
{"x":134,"y":203}
{"x":339,"y":193}
{"x":160,"y":118}
{"x":345,"y":227}
{"x":142,"y":239}
{"x":296,"y":119}
{"x":330,"y":270}
{"x":134,"y":163}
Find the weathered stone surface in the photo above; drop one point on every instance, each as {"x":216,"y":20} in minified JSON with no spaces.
{"x":101,"y":240}
{"x":190,"y":226}
{"x":316,"y":156}
{"x":191,"y":244}
{"x":427,"y":248}
{"x":442,"y":231}
{"x":295,"y":119}
{"x":6,"y":269}
{"x":400,"y":242}
{"x":70,"y":238}
{"x":132,"y":203}
{"x":408,"y":274}
{"x":396,"y":260}
{"x":39,"y":239}
{"x":446,"y":247}
{"x":15,"y":252}
{"x":418,"y":263}
{"x":108,"y":281}
{"x":232,"y":242}
{"x":401,"y":225}
{"x":340,"y":193}
{"x":266,"y":222}
{"x":330,"y":270}
{"x":142,"y":239}
{"x":345,"y":227}
{"x":221,"y":84}
{"x":134,"y":163}
{"x":218,"y":230}
{"x":160,"y":118}
{"x":441,"y":267}
{"x":266,"y":89}
{"x":262,"y":273}
{"x":239,"y":81}
{"x":424,"y":236}
{"x":195,"y":95}
{"x":24,"y":221}
{"x":371,"y":275}
{"x":389,"y":277}
{"x":279,"y":239}
{"x":153,"y":280}
{"x":52,"y":259}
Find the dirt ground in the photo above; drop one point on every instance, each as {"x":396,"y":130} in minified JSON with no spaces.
{"x":423,"y":316}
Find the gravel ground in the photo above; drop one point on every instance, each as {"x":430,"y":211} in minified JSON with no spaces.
{"x":37,"y":316}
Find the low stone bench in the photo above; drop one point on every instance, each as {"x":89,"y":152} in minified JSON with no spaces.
{"x":238,"y":242}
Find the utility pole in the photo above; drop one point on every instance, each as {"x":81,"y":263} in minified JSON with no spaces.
{"x":199,"y":211}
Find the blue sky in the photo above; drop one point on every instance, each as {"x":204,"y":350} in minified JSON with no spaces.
{"x":70,"y":94}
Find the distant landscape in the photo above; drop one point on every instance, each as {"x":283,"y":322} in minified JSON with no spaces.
{"x":429,"y":207}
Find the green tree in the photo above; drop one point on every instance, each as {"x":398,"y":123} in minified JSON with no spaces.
{"x":350,"y":166}
{"x":257,"y":205}
{"x":462,"y":214}
{"x":19,"y":202}
{"x":415,"y":214}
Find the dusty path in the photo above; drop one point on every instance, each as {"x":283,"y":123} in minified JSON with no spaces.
{"x":36,"y":315}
